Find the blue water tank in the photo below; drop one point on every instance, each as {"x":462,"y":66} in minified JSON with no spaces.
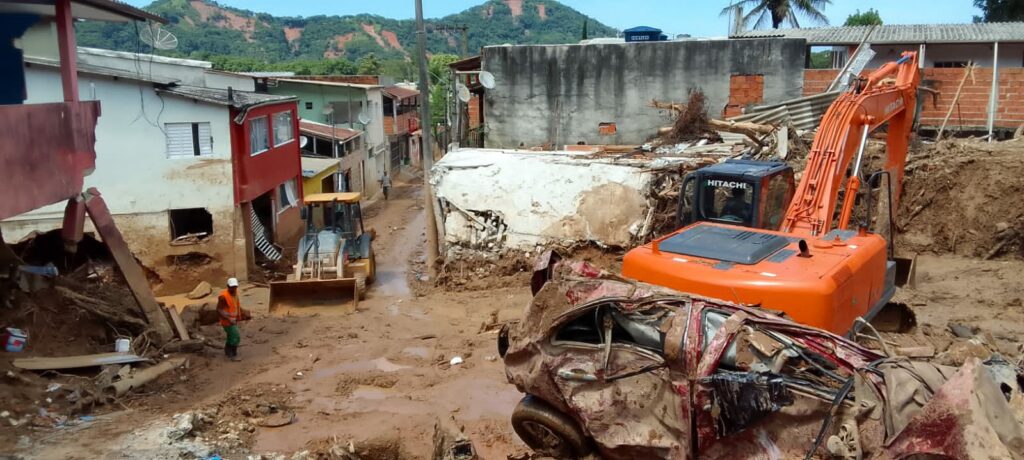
{"x":644,"y":34}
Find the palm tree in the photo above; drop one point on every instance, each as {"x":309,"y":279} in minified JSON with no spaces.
{"x":779,"y":11}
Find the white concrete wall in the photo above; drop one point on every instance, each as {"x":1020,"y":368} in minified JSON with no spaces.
{"x":186,"y":71}
{"x":133,"y":173}
{"x":223,"y":80}
{"x":377,"y":143}
{"x":541,"y":198}
{"x":1010,"y":54}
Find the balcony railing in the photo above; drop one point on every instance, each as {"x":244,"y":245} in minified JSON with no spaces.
{"x":45,"y":152}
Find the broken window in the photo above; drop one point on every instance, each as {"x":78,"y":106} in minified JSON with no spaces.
{"x":284,"y":130}
{"x":259,"y":138}
{"x":191,"y":225}
{"x":583,"y":329}
{"x":188,"y":139}
{"x":286,"y":195}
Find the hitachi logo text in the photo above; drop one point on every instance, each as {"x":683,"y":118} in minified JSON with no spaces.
{"x":728,"y":184}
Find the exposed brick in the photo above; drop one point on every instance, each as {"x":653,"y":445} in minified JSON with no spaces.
{"x":744,"y":90}
{"x":972,"y":107}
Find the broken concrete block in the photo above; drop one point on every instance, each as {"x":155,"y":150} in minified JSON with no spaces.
{"x":959,"y":352}
{"x":201,"y":290}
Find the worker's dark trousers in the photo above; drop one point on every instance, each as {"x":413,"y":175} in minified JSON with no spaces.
{"x":386,"y":193}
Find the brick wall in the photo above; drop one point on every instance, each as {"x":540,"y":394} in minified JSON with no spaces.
{"x":817,"y":80}
{"x":744,"y":90}
{"x":475,"y":104}
{"x":972,"y":108}
{"x":399,"y":125}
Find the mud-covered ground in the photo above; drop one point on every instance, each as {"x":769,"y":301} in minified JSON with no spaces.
{"x":373,"y":380}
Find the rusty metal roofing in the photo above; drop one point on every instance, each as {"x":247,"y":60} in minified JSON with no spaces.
{"x":398,"y":92}
{"x":322,"y":130}
{"x":100,"y":10}
{"x":900,"y":33}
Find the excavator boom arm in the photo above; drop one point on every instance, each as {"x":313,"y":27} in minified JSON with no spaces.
{"x":887,"y":95}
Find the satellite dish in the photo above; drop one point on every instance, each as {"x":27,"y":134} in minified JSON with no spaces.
{"x":157,"y":37}
{"x":486,"y":79}
{"x":363,"y":117}
{"x":463,"y":92}
{"x":303,"y":140}
{"x":327,"y":110}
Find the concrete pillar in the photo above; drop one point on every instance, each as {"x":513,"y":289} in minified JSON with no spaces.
{"x":993,"y":103}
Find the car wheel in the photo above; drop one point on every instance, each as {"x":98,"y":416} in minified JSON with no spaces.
{"x":548,"y":431}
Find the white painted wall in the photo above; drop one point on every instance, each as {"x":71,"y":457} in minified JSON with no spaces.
{"x":222,"y":80}
{"x":1010,"y":54}
{"x":133,"y":173}
{"x":545,"y":198}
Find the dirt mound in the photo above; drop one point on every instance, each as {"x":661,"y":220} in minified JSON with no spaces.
{"x":476,"y":270}
{"x":962,"y":197}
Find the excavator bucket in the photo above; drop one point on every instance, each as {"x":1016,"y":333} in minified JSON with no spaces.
{"x":895,"y":317}
{"x":906,"y":271}
{"x":898,"y":316}
{"x":286,"y":295}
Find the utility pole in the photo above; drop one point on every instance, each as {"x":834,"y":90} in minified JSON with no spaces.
{"x":465,"y":35}
{"x":426,"y":142}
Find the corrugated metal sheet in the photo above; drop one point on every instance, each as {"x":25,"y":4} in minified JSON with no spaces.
{"x":804,"y":113}
{"x":901,"y":33}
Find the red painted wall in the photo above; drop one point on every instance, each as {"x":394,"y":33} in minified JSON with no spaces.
{"x":45,"y":153}
{"x":256,"y":175}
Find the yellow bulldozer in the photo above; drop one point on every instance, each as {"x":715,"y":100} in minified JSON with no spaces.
{"x":335,"y":258}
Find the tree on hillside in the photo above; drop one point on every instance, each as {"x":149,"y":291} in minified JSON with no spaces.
{"x":999,"y":10}
{"x":584,"y":34}
{"x":368,"y":65}
{"x":761,"y":13}
{"x":867,"y":18}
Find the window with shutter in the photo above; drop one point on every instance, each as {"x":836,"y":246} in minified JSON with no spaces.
{"x":188,"y":139}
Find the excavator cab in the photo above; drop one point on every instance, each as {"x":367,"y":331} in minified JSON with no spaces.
{"x":745,"y":193}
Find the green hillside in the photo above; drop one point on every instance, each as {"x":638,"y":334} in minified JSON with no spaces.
{"x":206,"y":30}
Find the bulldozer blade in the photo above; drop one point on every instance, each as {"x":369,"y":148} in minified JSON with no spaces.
{"x":304,"y":293}
{"x":906,"y":271}
{"x":895,"y":317}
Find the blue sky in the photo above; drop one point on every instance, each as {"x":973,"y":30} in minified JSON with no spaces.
{"x":694,"y":17}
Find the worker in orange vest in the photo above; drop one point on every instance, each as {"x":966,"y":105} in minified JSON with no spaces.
{"x":230,"y":310}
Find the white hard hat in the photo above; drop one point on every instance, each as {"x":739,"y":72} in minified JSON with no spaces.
{"x":232,"y":282}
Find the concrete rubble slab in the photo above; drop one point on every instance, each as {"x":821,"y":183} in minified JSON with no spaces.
{"x":513,"y":199}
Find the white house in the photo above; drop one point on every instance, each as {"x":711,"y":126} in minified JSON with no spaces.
{"x":191,"y":170}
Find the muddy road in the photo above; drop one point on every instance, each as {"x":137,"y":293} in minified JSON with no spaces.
{"x":378,"y":376}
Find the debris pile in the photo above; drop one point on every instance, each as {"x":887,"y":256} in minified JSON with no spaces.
{"x":692,"y":123}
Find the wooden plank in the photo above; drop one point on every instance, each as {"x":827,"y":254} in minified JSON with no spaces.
{"x":179,"y":325}
{"x":133,"y":275}
{"x":74,"y":362}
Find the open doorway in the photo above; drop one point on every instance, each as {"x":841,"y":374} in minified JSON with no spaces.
{"x":262,"y":219}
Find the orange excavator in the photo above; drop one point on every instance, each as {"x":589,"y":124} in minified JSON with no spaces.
{"x":737,"y":245}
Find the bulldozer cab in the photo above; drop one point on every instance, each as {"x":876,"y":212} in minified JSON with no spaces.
{"x":339,"y":214}
{"x":746,"y":193}
{"x":334,"y":259}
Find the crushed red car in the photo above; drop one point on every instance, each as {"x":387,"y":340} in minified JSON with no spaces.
{"x":622,"y":369}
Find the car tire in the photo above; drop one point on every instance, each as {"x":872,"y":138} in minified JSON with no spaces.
{"x":548,"y":431}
